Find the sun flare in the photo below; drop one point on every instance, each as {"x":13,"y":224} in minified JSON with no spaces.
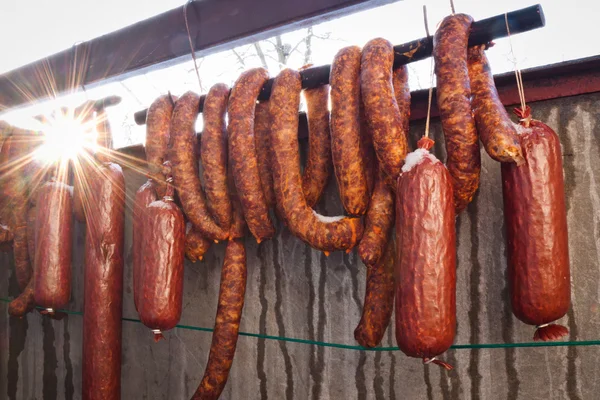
{"x":65,"y":138}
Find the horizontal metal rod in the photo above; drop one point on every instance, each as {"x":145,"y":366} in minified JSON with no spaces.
{"x":483,"y":31}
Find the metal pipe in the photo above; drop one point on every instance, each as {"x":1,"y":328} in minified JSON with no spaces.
{"x":483,"y":31}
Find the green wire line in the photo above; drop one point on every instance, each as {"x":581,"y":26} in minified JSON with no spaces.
{"x":350,"y":347}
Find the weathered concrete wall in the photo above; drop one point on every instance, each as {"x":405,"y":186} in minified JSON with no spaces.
{"x":295,"y":292}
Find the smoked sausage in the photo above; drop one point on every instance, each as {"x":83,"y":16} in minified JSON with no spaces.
{"x":348,"y":164}
{"x":158,"y":121}
{"x":318,"y":161}
{"x":496,"y":130}
{"x":323,"y":233}
{"x":426,"y":266}
{"x":385,"y":121}
{"x":182,"y":154}
{"x":103,"y":285}
{"x":227,"y":322}
{"x":536,"y":231}
{"x":454,"y":103}
{"x":379,"y":299}
{"x":52,"y":264}
{"x":262,"y":140}
{"x":402,"y":95}
{"x":145,"y":195}
{"x":379,"y":222}
{"x":213,"y":152}
{"x":195,"y":245}
{"x":242,"y":151}
{"x":162,"y":252}
{"x":15,"y":159}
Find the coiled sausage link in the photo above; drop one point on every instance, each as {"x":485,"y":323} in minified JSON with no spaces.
{"x":262,"y":140}
{"x":379,"y":299}
{"x":182,"y":154}
{"x":348,"y":164}
{"x":195,"y":244}
{"x":213,"y":152}
{"x":323,"y":233}
{"x":496,"y":130}
{"x":227,"y":322}
{"x":318,"y":161}
{"x":379,"y":222}
{"x":387,"y":124}
{"x":454,"y":102}
{"x":242,"y":151}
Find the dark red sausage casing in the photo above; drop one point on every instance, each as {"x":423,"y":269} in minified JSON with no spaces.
{"x":426,"y":248}
{"x":145,"y":195}
{"x":162,"y":251}
{"x":103,"y":285}
{"x":536,"y":232}
{"x":227,"y":322}
{"x":54,"y":244}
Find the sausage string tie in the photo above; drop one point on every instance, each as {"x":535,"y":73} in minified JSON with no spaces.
{"x":452,"y":7}
{"x":518,"y":77}
{"x":430,"y":76}
{"x":360,"y":348}
{"x":187,"y":27}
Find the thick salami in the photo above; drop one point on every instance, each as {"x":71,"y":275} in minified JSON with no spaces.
{"x":103,"y":285}
{"x":227,"y":322}
{"x":379,"y":299}
{"x":242,"y":151}
{"x":323,"y":233}
{"x":262,"y":140}
{"x":53,"y":240}
{"x":162,"y":253}
{"x":145,"y":195}
{"x":454,"y":103}
{"x":496,"y":130}
{"x":15,"y":150}
{"x":195,"y":245}
{"x":426,"y":266}
{"x":383,"y":115}
{"x":379,"y":222}
{"x":158,"y":125}
{"x":536,"y":231}
{"x":213,"y":152}
{"x":348,"y":164}
{"x":318,"y":162}
{"x":182,"y":154}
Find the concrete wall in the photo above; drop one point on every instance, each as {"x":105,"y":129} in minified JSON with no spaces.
{"x":296,"y":292}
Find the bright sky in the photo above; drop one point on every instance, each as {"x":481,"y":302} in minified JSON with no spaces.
{"x":54,"y":26}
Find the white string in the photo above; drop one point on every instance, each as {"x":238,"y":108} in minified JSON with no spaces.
{"x":430,"y":76}
{"x":518,"y":75}
{"x":187,"y":27}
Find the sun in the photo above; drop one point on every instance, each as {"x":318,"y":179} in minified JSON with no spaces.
{"x":65,"y":137}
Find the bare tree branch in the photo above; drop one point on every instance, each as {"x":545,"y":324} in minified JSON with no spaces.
{"x":239,"y":57}
{"x":261,"y":55}
{"x":308,"y":43}
{"x":280,"y":51}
